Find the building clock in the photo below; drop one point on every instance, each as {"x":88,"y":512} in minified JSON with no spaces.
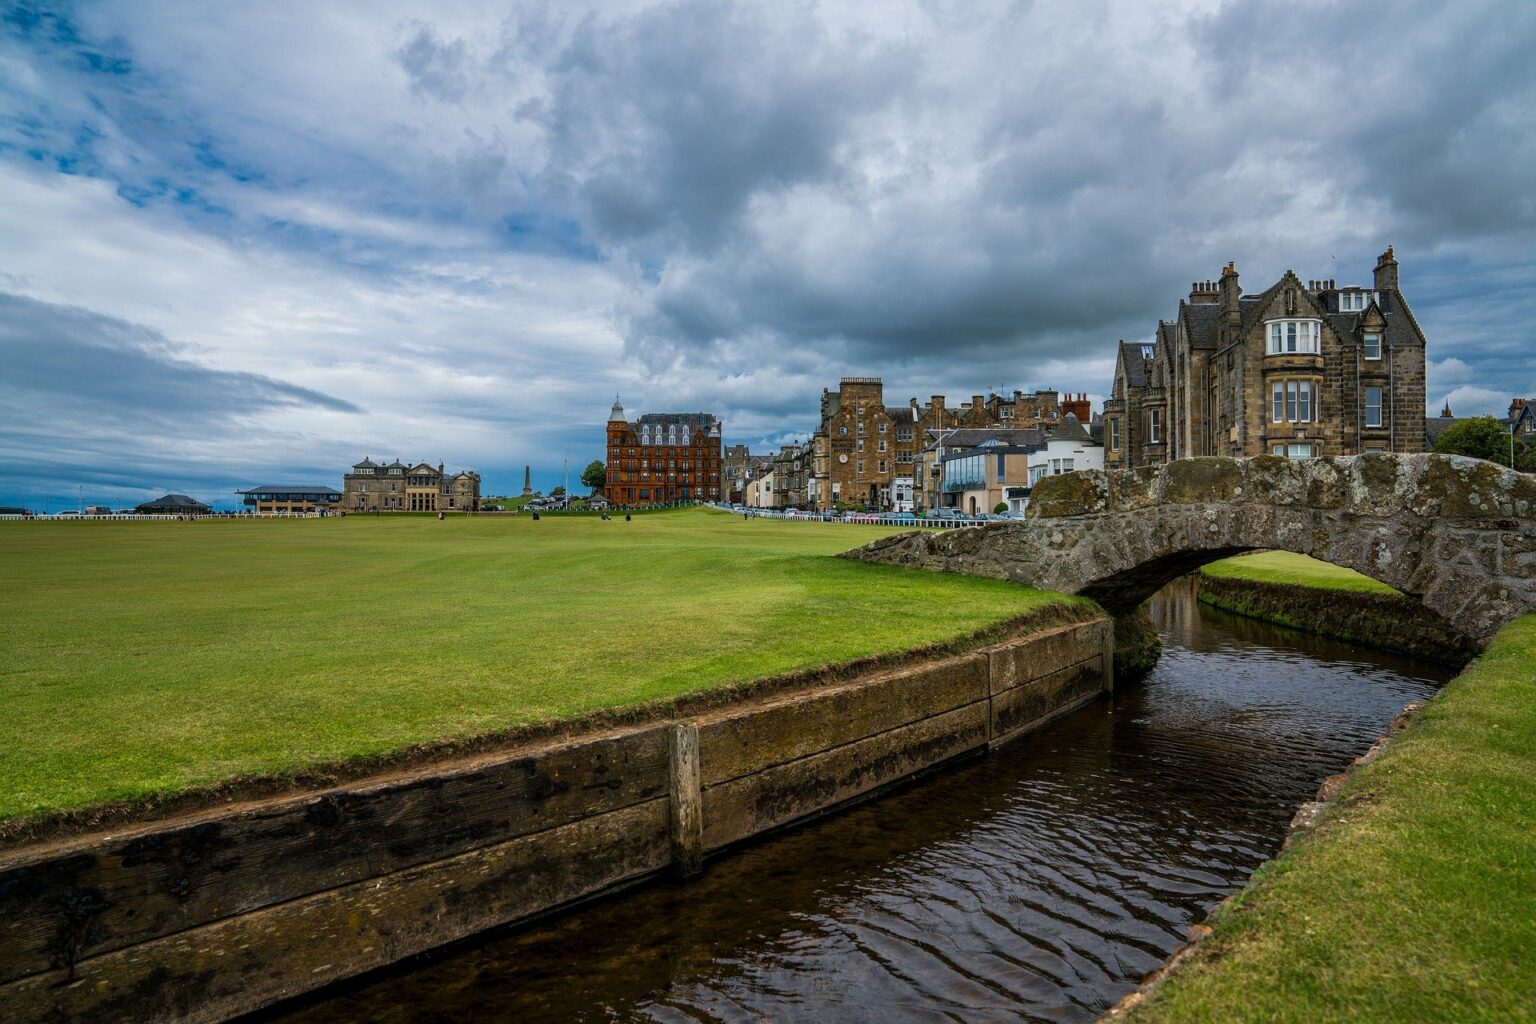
{"x":842,"y":458}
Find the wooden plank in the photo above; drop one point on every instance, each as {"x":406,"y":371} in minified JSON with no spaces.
{"x":242,"y":963}
{"x":1020,"y":661}
{"x":686,"y":803}
{"x":751,"y":804}
{"x":741,"y":741}
{"x":1031,"y":705}
{"x":65,"y":902}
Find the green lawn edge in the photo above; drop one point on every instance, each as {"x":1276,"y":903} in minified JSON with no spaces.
{"x":1415,"y":897}
{"x":146,"y":669}
{"x":1296,"y":570}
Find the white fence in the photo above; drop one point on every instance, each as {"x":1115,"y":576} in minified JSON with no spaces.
{"x":861,"y":518}
{"x":134,"y":517}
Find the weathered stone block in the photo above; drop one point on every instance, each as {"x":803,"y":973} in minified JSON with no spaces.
{"x":1196,"y":481}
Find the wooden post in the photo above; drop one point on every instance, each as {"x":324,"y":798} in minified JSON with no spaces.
{"x":687,"y":802}
{"x":1108,"y":657}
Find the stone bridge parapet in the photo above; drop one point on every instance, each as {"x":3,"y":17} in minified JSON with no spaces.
{"x":1458,"y":534}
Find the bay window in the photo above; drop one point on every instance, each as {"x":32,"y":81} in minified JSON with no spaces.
{"x":1292,"y":451}
{"x":1294,"y":336}
{"x":1155,"y":426}
{"x":1293,"y":401}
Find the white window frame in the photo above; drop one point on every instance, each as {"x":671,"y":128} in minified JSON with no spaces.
{"x":1292,"y":451}
{"x":1366,"y":398}
{"x":1293,"y":401}
{"x":1293,"y":337}
{"x":1114,"y":434}
{"x":1154,"y":426}
{"x":1371,"y":351}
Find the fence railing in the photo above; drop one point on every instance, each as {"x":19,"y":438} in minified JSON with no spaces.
{"x":166,"y":517}
{"x":861,"y":519}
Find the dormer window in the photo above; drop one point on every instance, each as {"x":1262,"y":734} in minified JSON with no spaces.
{"x":1355,"y":301}
{"x":1371,"y":343}
{"x":1294,"y":336}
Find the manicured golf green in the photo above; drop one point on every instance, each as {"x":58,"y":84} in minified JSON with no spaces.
{"x":1286,"y":567}
{"x":144,"y":658}
{"x":1415,"y":900}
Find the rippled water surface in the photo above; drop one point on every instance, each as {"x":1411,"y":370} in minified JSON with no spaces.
{"x":1037,"y":884}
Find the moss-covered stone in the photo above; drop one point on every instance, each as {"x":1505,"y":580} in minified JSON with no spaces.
{"x":1197,"y":481}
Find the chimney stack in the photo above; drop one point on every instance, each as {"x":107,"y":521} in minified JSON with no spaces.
{"x":1386,"y":272}
{"x":1203,"y":291}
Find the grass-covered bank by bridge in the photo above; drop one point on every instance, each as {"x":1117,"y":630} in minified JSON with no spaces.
{"x":142,"y":659}
{"x":1415,"y":897}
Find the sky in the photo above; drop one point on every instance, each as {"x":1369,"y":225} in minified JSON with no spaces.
{"x":253,"y":243}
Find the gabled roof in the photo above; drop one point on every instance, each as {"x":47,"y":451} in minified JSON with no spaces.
{"x":397,"y":464}
{"x":367,"y":463}
{"x":1136,"y":357}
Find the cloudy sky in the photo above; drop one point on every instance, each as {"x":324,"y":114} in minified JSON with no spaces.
{"x":252,"y":243}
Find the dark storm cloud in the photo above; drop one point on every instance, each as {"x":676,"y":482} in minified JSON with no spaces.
{"x":78,"y":367}
{"x":787,"y":184}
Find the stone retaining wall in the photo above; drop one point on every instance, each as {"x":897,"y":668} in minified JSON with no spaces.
{"x":221,"y":912}
{"x":1391,"y":622}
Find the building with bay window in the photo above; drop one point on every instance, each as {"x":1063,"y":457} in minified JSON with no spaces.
{"x":662,"y":457}
{"x":1298,"y":370}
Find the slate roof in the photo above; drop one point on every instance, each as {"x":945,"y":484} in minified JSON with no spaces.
{"x":970,"y":437}
{"x":367,"y":463}
{"x":1070,"y":429}
{"x":291,"y":489}
{"x":1434,"y":426}
{"x":1137,"y":366}
{"x":174,"y":501}
{"x":696,"y":422}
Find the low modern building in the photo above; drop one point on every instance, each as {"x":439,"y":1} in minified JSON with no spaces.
{"x":291,"y":499}
{"x":397,"y":487}
{"x":173,"y":505}
{"x":662,"y":457}
{"x":975,"y":471}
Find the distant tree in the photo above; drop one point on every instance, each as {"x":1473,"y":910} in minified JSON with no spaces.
{"x":1002,"y":507}
{"x":595,"y":475}
{"x":1483,"y":437}
{"x":557,"y":492}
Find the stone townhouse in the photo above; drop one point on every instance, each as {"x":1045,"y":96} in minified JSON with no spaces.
{"x":790,"y":467}
{"x":662,"y":457}
{"x":1299,"y":370}
{"x":867,"y":453}
{"x":396,"y":487}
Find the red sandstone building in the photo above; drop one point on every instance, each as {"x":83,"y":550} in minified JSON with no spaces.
{"x":662,"y":457}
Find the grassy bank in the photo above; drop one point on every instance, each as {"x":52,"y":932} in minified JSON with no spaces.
{"x":1415,"y":899}
{"x":1295,"y":570}
{"x":1302,"y":593}
{"x":144,"y":658}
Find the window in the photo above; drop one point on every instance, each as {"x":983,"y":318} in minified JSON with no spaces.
{"x":1292,"y":401}
{"x":1294,"y":336}
{"x":1355,"y":301}
{"x":882,"y":446}
{"x":1155,"y":426}
{"x":860,"y":466}
{"x":861,"y":426}
{"x":903,"y":435}
{"x":1005,"y":412}
{"x":1373,"y":407}
{"x":1114,"y":434}
{"x":882,"y":465}
{"x":1035,"y":473}
{"x":882,"y":430}
{"x":1292,"y":451}
{"x":861,"y":444}
{"x":1372,"y":345}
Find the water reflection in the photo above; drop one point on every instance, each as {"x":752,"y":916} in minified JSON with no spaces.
{"x":1038,"y":884}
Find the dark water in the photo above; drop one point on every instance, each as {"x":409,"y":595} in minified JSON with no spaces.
{"x":1038,"y":884}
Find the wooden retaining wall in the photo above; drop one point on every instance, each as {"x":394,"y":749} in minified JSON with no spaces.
{"x":215,"y":914}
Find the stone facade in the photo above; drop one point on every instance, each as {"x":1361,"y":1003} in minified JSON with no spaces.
{"x":738,"y":468}
{"x":1457,"y":534}
{"x":397,"y":487}
{"x":1300,"y":370}
{"x":662,"y":457}
{"x":867,"y":453}
{"x":790,"y":467}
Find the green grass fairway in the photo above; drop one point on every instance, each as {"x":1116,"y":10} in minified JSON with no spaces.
{"x":1299,"y":570}
{"x":1415,"y":900}
{"x":145,"y":658}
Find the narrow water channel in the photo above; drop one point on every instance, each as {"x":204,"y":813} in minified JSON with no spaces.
{"x":1037,"y":884}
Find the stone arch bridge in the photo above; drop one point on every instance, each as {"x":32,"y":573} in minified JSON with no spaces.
{"x":1459,"y":534}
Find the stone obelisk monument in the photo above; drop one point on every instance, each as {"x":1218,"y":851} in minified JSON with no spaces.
{"x":527,"y":483}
